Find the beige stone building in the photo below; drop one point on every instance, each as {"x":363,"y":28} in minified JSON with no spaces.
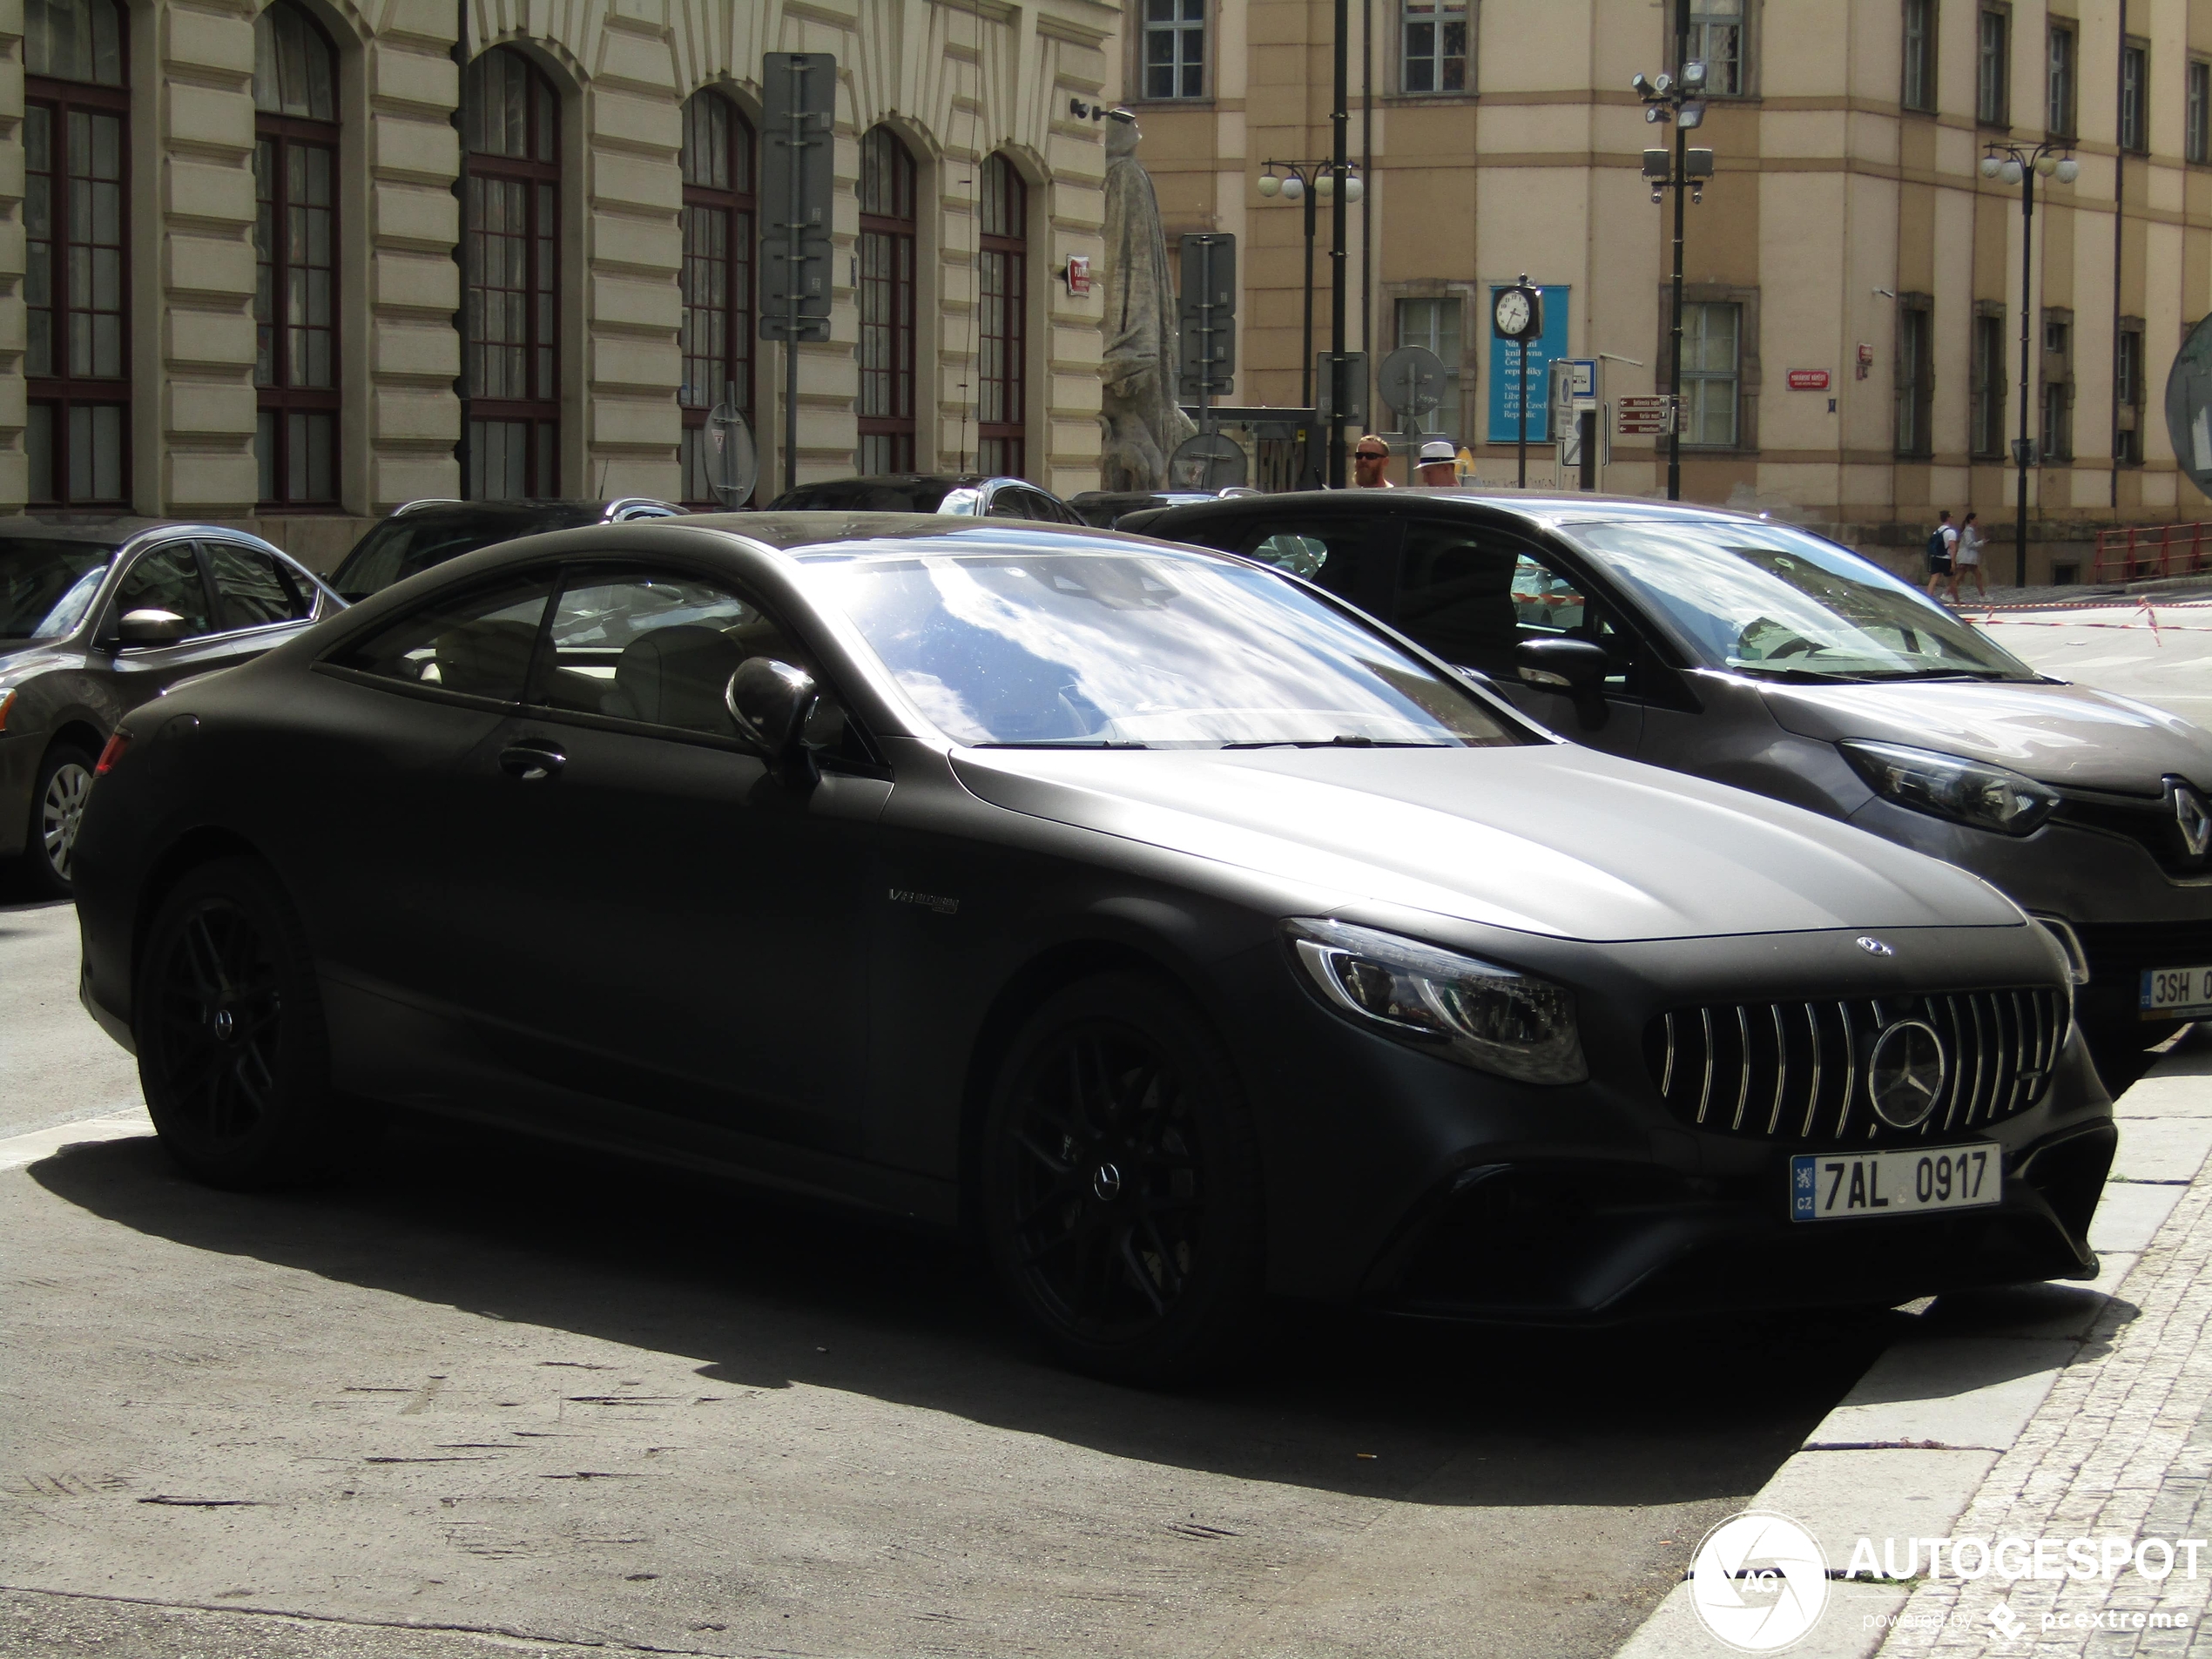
{"x":1848,"y":229}
{"x":229,"y":236}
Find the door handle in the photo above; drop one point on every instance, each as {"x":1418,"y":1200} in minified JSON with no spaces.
{"x":531,"y":762}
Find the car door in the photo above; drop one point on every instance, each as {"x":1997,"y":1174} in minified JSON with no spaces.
{"x":166,"y":576}
{"x":660,"y":922}
{"x":1471,"y":592}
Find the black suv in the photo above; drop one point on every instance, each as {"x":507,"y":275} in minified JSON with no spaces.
{"x":424,"y":533}
{"x":922,"y":492}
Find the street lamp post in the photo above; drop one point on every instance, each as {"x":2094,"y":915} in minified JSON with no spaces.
{"x":2017,"y":166}
{"x":1680,"y":102}
{"x":1306,"y":182}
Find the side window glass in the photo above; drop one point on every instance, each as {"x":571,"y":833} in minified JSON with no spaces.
{"x":254,"y":590}
{"x":1472,"y":599}
{"x":1007,"y":503}
{"x":659,"y":648}
{"x":1305,"y":555}
{"x":477,"y":643}
{"x":1329,"y":553}
{"x":167,"y":579}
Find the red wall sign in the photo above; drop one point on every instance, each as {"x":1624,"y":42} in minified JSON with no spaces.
{"x":1078,"y":274}
{"x":1808,"y":379}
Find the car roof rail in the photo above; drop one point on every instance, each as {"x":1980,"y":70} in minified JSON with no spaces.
{"x":426,"y":501}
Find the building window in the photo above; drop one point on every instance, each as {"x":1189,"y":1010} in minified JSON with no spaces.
{"x":1989,"y":385}
{"x":2196,"y":138}
{"x":295,"y":248}
{"x":76,"y":282}
{"x":1433,"y":45}
{"x":1435,"y":326}
{"x":2135,"y":96}
{"x":1992,"y":76}
{"x":1003,"y":262}
{"x":2055,"y":435}
{"x":2127,"y":395}
{"x":1711,"y":368}
{"x":1920,"y":87}
{"x":1716,"y":40}
{"x":1175,"y":48}
{"x":886,"y":411}
{"x":511,"y":364}
{"x":1915,"y":374}
{"x":717,"y":332}
{"x":2059,"y":116}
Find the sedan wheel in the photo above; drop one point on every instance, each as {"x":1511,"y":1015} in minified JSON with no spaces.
{"x":1120,"y":1189}
{"x":57,"y":809}
{"x":232,"y":1054}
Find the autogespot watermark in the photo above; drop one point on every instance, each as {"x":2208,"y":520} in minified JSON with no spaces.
{"x":1760,"y":1580}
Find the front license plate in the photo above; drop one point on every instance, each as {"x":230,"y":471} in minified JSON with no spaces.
{"x":2176,"y":993}
{"x":1839,"y":1186}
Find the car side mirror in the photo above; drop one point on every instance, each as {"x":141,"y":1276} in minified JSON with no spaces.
{"x":149,"y":628}
{"x":770,"y":702}
{"x":1574,"y":666}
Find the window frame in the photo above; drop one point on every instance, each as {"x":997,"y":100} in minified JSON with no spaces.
{"x":1453,"y":362}
{"x":545,"y":308}
{"x":285,"y":570}
{"x":897,"y":239}
{"x":1989,"y":387}
{"x":1746,"y":21}
{"x":739,"y":299}
{"x":1181,"y":29}
{"x":61,"y":392}
{"x":2133,"y":126}
{"x":2054,"y":390}
{"x":188,"y":547}
{"x":1914,"y":383}
{"x":2196,"y":112}
{"x":1920,"y":64}
{"x":280,"y":396}
{"x":1734,"y":378}
{"x":543,"y":577}
{"x":1993,"y":70}
{"x":1440,"y":17}
{"x":2130,"y":392}
{"x":1010,"y":270}
{"x":2061,"y":78}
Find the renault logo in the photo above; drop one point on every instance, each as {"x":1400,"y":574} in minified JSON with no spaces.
{"x":1905,"y":1073}
{"x":2190,"y":813}
{"x":1873,"y":947}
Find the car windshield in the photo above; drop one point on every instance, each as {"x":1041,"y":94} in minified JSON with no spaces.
{"x":1768,"y":600}
{"x":1006,"y":646}
{"x":401,"y":546}
{"x":47,"y":586}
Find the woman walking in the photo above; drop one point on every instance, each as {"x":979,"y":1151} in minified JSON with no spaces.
{"x":1969,"y":559}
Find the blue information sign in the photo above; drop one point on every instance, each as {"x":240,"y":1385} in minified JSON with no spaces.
{"x":1504,"y":369}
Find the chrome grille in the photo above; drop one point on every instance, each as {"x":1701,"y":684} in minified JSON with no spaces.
{"x":1798,"y":1071}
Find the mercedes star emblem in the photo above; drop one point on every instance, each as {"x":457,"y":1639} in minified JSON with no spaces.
{"x":1905,"y":1072}
{"x":1874,"y":946}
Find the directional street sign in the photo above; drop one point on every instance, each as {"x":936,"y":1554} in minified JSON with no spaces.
{"x":1646,"y":417}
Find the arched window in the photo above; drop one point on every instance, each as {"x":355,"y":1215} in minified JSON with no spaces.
{"x":1002,"y":265}
{"x":717,"y":163}
{"x":295,"y":240}
{"x":887,"y":408}
{"x":76,"y":356}
{"x":511,"y":124}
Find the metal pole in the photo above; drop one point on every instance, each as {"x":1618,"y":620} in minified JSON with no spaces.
{"x":1206,"y":335}
{"x":1674,"y":363}
{"x":1520,"y":399}
{"x":1305,"y":326}
{"x":460,"y":452}
{"x":1338,"y":119}
{"x":794,"y":254}
{"x":2020,"y":456}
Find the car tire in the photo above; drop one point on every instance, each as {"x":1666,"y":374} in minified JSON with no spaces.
{"x":1119,"y":1187}
{"x":232,"y":1054}
{"x":64,"y":780}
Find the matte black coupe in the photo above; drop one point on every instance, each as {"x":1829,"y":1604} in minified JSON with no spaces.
{"x":1187,"y":933}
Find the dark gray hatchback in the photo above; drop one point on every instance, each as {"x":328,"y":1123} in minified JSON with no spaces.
{"x":100,"y":614}
{"x":1759,"y":655}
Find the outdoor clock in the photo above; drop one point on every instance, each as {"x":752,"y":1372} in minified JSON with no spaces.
{"x":1519,"y":314}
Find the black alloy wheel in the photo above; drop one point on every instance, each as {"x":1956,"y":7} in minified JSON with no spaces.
{"x":232,"y":1054}
{"x":57,"y":798}
{"x":1120,"y":1193}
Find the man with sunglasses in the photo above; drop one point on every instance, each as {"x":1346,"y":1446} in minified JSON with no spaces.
{"x":1369,"y":456}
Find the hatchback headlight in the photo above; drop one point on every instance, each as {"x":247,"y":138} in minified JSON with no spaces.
{"x":1492,"y":1018}
{"x":1966,"y":791}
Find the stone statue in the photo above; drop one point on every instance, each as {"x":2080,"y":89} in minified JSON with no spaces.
{"x":1143,"y":423}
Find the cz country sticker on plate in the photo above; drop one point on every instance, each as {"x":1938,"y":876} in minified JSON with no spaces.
{"x":2176,"y":993}
{"x":1841,"y":1186}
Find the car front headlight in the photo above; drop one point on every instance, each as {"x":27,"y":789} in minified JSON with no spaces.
{"x":1966,"y":791}
{"x":1492,"y":1018}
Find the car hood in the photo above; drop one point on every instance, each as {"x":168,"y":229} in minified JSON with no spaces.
{"x":2067,"y":735}
{"x":1548,"y":839}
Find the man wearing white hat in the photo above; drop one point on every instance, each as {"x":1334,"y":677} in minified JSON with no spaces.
{"x":1440,"y":468}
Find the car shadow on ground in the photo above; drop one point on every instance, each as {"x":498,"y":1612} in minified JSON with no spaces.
{"x":778,"y":1294}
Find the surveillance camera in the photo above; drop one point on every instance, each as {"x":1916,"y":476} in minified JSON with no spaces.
{"x":1885,"y":293}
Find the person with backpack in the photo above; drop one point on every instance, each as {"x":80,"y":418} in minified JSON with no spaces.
{"x":1941,"y":545}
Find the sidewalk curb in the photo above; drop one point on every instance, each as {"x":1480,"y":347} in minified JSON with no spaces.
{"x":1904,"y":1453}
{"x":17,"y":1150}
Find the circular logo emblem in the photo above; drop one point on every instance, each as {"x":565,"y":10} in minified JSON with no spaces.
{"x":225,"y":1025}
{"x":1874,"y":946}
{"x":1760,"y":1581}
{"x":1905,"y":1072}
{"x":1106,"y":1182}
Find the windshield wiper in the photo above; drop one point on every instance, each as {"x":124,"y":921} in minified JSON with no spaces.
{"x":1943,"y":674}
{"x":1337,"y":742}
{"x":1061,"y":743}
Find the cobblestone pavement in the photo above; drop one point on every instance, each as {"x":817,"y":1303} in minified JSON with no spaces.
{"x":2121,"y":1447}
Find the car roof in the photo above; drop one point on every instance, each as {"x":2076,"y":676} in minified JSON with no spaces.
{"x":1542,"y":507}
{"x":548,"y":509}
{"x":803,"y":534}
{"x":115,"y":529}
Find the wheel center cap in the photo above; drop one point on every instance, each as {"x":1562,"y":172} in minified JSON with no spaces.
{"x":1106,"y":1184}
{"x":226,"y":1024}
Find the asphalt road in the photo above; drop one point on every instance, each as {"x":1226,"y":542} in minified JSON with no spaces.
{"x":480,"y":1394}
{"x":2116,"y":648}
